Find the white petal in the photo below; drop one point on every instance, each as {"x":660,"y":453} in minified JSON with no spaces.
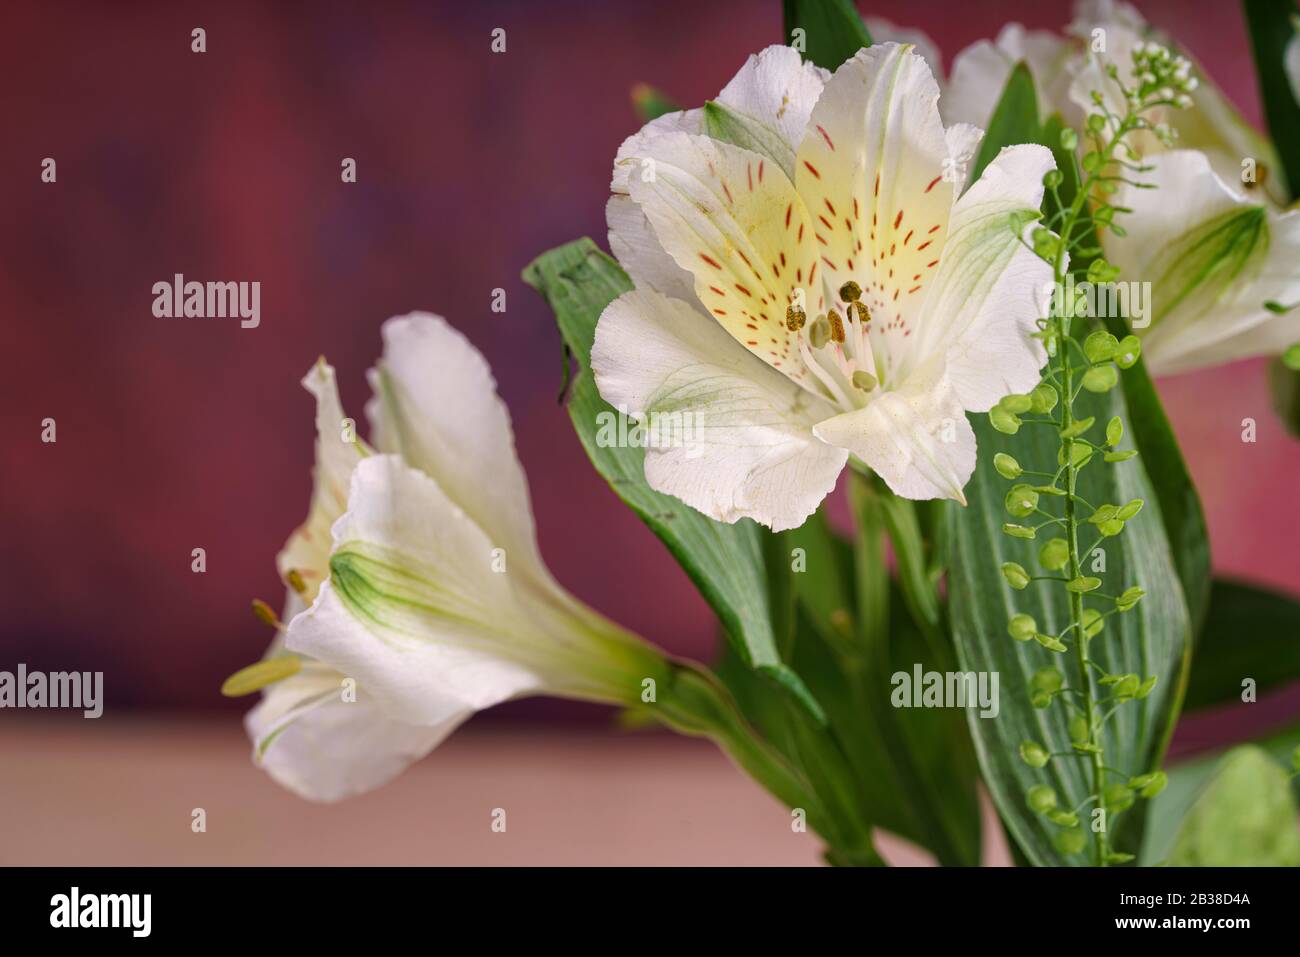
{"x":440,"y":410}
{"x":636,"y":247}
{"x":631,"y":239}
{"x":337,"y":453}
{"x":989,"y":291}
{"x":979,"y":74}
{"x":778,"y":90}
{"x":876,"y":176}
{"x":731,"y":218}
{"x":748,"y":448}
{"x":963,"y":141}
{"x":917,"y":439}
{"x":1156,"y":220}
{"x":682,"y":121}
{"x":325,"y":748}
{"x":413,"y":609}
{"x":884,"y":31}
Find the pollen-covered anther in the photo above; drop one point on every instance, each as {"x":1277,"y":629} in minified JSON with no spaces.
{"x":837,"y":325}
{"x":858,"y":312}
{"x":850,"y":292}
{"x":295,"y":581}
{"x":795,"y":318}
{"x":265,"y":614}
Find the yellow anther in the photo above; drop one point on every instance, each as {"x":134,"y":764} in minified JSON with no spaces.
{"x":795,"y":318}
{"x":837,"y":325}
{"x":265,"y":614}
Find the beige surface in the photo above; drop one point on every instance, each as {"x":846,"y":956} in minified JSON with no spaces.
{"x":122,"y":792}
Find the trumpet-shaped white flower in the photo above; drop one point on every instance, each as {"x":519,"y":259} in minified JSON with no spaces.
{"x":813,"y":283}
{"x":420,"y":596}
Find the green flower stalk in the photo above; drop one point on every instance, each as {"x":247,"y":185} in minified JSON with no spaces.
{"x":1083,"y":359}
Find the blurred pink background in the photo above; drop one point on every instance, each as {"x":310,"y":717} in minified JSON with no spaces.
{"x":225,"y":166}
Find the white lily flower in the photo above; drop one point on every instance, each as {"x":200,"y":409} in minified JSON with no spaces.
{"x":825,"y":289}
{"x":423,"y":595}
{"x":1222,"y":269}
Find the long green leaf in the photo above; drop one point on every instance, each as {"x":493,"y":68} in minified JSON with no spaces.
{"x":1271,"y":28}
{"x":1152,"y":639}
{"x":725,"y":561}
{"x":1249,"y":632}
{"x":832,"y":30}
{"x":915,"y":766}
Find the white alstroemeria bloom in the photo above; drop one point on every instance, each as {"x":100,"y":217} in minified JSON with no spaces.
{"x":423,"y":597}
{"x":813,"y":283}
{"x":1209,"y":123}
{"x":1221,"y":267}
{"x":1209,"y":201}
{"x":1067,"y":70}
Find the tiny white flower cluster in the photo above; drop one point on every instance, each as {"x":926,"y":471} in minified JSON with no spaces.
{"x":1162,"y":76}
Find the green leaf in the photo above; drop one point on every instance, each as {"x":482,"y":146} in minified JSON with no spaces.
{"x":1249,"y":632}
{"x":1188,"y":781}
{"x":723,"y":123}
{"x":913,"y":771}
{"x":1284,"y":383}
{"x":1014,"y":120}
{"x":1246,"y":816}
{"x":651,"y":103}
{"x":920,"y":592}
{"x":1152,"y":639}
{"x":1270,"y":25}
{"x":921,"y":758}
{"x":832,"y":30}
{"x":1150,"y":433}
{"x":725,"y":561}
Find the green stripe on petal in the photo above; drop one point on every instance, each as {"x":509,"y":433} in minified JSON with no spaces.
{"x":1207,"y":260}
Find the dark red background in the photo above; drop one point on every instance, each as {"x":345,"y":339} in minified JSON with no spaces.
{"x":225,"y":166}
